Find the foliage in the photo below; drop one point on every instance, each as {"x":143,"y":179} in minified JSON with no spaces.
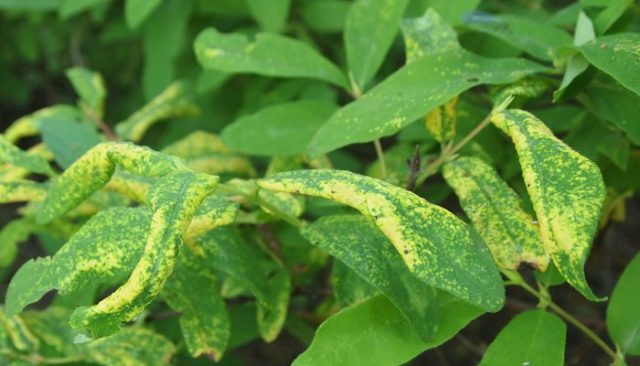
{"x":368,"y":176}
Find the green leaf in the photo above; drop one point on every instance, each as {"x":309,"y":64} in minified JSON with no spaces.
{"x":131,"y":347}
{"x":441,"y":122}
{"x":539,"y":39}
{"x":370,"y":29}
{"x":21,"y":191}
{"x":18,"y":332}
{"x":616,"y":55}
{"x":356,"y":242}
{"x":436,"y":246}
{"x":496,"y":212}
{"x":68,"y":140}
{"x":427,"y":35}
{"x":534,"y":337}
{"x":100,"y":252}
{"x":375,"y":333}
{"x":348,"y":287}
{"x":31,"y":5}
{"x":12,"y":234}
{"x":412,"y":91}
{"x":229,"y":253}
{"x":453,"y":12}
{"x":623,"y":319}
{"x":175,"y":101}
{"x":325,"y":16}
{"x":174,"y":200}
{"x":617,"y":105}
{"x":282,"y":129}
{"x":270,"y":14}
{"x":69,"y":8}
{"x":136,"y":11}
{"x":28,"y":125}
{"x":90,"y":87}
{"x":194,"y":291}
{"x":11,"y":154}
{"x":566,"y":190}
{"x":267,"y":54}
{"x":607,"y":17}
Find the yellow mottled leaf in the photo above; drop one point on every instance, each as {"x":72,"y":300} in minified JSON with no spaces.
{"x":441,"y":122}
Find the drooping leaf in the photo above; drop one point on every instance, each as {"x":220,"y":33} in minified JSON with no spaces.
{"x":356,"y":242}
{"x":370,"y":29}
{"x":566,"y":190}
{"x":174,"y":200}
{"x":100,"y":252}
{"x":623,"y":320}
{"x":270,"y":14}
{"x":496,"y":212}
{"x":282,"y":129}
{"x":436,"y":246}
{"x":616,"y":55}
{"x":382,"y":335}
{"x":534,"y":337}
{"x":427,"y":35}
{"x":94,"y":169}
{"x":136,"y":11}
{"x":175,"y":101}
{"x":229,"y":253}
{"x":90,"y":88}
{"x":194,"y":291}
{"x":130,"y":347}
{"x":11,"y":154}
{"x":539,"y":39}
{"x":21,"y":190}
{"x":67,"y":139}
{"x":412,"y":91}
{"x":269,"y":54}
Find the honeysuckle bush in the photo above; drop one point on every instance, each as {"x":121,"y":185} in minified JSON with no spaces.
{"x":367,"y":176}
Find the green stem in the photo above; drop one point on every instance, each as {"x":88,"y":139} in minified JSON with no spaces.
{"x":515,"y":278}
{"x":380,"y":154}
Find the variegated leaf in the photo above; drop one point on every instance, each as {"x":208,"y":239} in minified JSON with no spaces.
{"x":174,"y":200}
{"x":11,"y":154}
{"x":496,"y":212}
{"x":438,"y":247}
{"x":94,"y":169}
{"x":28,"y":125}
{"x":355,"y":241}
{"x":21,"y":191}
{"x":427,"y":35}
{"x":130,"y":347}
{"x":566,"y":190}
{"x":441,"y":121}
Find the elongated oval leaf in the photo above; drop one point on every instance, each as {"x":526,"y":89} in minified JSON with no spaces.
{"x":496,"y":212}
{"x":375,"y":333}
{"x":355,"y":241}
{"x":21,"y":190}
{"x":617,"y":55}
{"x":566,"y":190}
{"x":269,"y":54}
{"x":427,"y":34}
{"x":437,"y":247}
{"x":136,"y":11}
{"x":11,"y":154}
{"x":90,"y":87}
{"x":131,"y":347}
{"x":28,"y":125}
{"x":100,"y":252}
{"x":370,"y":29}
{"x":411,"y":92}
{"x":531,"y":338}
{"x":174,"y":200}
{"x":282,"y":129}
{"x":270,"y":14}
{"x":623,"y":319}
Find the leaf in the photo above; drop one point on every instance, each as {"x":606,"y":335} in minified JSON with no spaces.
{"x":496,"y":212}
{"x":356,"y":242}
{"x":436,"y":246}
{"x":270,"y":14}
{"x":175,"y":101}
{"x":454,"y":12}
{"x":90,"y":87}
{"x":607,"y":17}
{"x":32,"y":5}
{"x":69,"y":8}
{"x":566,"y":190}
{"x":616,"y":55}
{"x":230,"y":254}
{"x":576,"y":64}
{"x":534,"y":337}
{"x":67,"y":139}
{"x":194,"y":291}
{"x":214,"y":212}
{"x":100,"y":252}
{"x":11,"y":154}
{"x":282,"y":129}
{"x":136,"y":11}
{"x":325,"y":16}
{"x":18,"y":332}
{"x":539,"y":39}
{"x":617,"y":105}
{"x":348,"y":287}
{"x":131,"y":347}
{"x":174,"y":200}
{"x":369,"y":31}
{"x":427,"y":35}
{"x":268,"y":54}
{"x":412,"y":91}
{"x":441,"y":122}
{"x":197,"y":144}
{"x":28,"y":125}
{"x":12,"y":234}
{"x":94,"y":169}
{"x":377,"y":322}
{"x":623,"y":319}
{"x":21,"y":190}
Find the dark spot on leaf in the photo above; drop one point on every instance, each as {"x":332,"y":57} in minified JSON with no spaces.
{"x":473,"y":79}
{"x":406,"y":251}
